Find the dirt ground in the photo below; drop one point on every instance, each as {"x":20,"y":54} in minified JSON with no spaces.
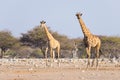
{"x":25,"y":72}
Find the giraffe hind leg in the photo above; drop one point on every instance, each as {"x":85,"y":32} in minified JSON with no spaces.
{"x":58,"y":55}
{"x":97,"y":56}
{"x":97,"y":59}
{"x":93,"y":61}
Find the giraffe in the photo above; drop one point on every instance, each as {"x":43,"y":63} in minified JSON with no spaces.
{"x":90,"y":41}
{"x":52,"y":42}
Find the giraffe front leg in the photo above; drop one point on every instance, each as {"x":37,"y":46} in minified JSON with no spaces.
{"x":46,"y":56}
{"x":51,"y":53}
{"x":51,"y":59}
{"x":58,"y":52}
{"x":88,"y":53}
{"x":93,"y":61}
{"x":46,"y":51}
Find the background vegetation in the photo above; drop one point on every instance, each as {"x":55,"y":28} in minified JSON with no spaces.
{"x":32,"y":44}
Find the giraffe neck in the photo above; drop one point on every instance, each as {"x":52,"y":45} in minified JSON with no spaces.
{"x":85,"y":30}
{"x":49,"y":36}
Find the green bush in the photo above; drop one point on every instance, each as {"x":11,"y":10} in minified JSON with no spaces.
{"x":37,"y":53}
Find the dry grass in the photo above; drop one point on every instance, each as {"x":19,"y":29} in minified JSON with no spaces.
{"x":34,"y":69}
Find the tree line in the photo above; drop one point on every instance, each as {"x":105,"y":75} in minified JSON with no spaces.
{"x":33,"y":43}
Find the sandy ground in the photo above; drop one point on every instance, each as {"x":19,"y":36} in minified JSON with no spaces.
{"x":71,"y":71}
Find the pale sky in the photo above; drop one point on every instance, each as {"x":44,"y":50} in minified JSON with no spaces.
{"x":102,"y":17}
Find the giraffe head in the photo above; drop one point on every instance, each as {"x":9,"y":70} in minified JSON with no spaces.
{"x":79,"y":15}
{"x":42,"y":24}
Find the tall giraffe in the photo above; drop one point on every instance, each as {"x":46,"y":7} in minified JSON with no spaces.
{"x":52,"y":42}
{"x":90,"y":40}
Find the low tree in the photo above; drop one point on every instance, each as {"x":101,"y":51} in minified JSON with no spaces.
{"x":6,"y":41}
{"x":110,"y":46}
{"x":37,"y":38}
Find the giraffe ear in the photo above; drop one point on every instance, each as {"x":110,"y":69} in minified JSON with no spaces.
{"x":81,"y":14}
{"x":44,"y":21}
{"x":41,"y":22}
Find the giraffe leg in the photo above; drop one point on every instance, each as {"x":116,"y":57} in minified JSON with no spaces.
{"x":51,"y":53}
{"x":97,"y":56}
{"x":46,"y":56}
{"x":51,"y":57}
{"x":88,"y":53}
{"x":58,"y":52}
{"x":46,"y":51}
{"x":93,"y":61}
